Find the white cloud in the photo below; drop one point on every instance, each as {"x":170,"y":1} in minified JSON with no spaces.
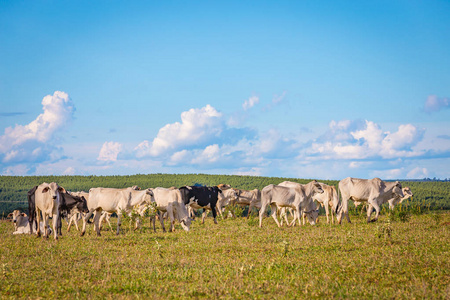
{"x":434,"y":103}
{"x":197,"y":126}
{"x":69,"y":171}
{"x":110,"y":151}
{"x":368,"y":142}
{"x":417,"y":173}
{"x":36,"y":141}
{"x":252,"y":101}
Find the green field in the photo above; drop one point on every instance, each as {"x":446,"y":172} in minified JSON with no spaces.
{"x":235,"y":259}
{"x":403,"y":255}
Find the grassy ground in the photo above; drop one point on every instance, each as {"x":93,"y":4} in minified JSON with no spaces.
{"x":235,"y":259}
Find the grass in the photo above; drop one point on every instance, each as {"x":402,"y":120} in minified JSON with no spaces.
{"x":235,"y":259}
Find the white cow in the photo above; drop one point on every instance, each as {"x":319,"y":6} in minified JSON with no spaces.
{"x":21,"y":225}
{"x":407,"y":193}
{"x":227,"y":197}
{"x":329,"y":198}
{"x":299,"y":198}
{"x":113,"y":201}
{"x":170,"y":201}
{"x":248,"y":198}
{"x":373,"y":191}
{"x":47,"y":199}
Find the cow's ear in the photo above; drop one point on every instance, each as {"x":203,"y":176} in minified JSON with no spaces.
{"x":61,"y":189}
{"x":9,"y":215}
{"x":397,"y":183}
{"x":23,"y":214}
{"x":45,"y":190}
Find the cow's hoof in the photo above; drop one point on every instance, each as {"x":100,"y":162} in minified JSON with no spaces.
{"x":98,"y":234}
{"x":82,"y":234}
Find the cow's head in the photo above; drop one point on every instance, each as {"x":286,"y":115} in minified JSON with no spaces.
{"x":397,"y":190}
{"x":53,"y":189}
{"x":407,"y":193}
{"x":312,"y":215}
{"x":16,"y":216}
{"x":82,"y":205}
{"x":186,"y":223}
{"x":316,"y":187}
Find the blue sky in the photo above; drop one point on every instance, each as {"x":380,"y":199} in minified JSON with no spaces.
{"x":307,"y":89}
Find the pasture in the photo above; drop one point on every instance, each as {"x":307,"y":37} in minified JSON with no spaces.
{"x":235,"y":259}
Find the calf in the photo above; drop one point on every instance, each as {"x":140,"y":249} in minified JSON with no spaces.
{"x":21,"y":224}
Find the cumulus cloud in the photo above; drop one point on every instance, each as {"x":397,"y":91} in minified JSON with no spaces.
{"x":435,"y":103}
{"x":37,"y":140}
{"x":197,"y":127}
{"x":250,"y":102}
{"x":110,"y":151}
{"x":368,"y":142}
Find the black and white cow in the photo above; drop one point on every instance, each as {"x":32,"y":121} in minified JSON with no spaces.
{"x":201,"y":197}
{"x":71,"y":204}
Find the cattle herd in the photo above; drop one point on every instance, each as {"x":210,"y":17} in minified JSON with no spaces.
{"x":179,"y":204}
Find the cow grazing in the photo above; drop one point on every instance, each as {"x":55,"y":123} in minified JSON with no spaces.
{"x":70,"y":205}
{"x":47,"y":202}
{"x":329,"y":198}
{"x":299,"y":198}
{"x":201,"y":197}
{"x":75,"y":215}
{"x":21,"y":223}
{"x":373,"y":191}
{"x":171,"y":201}
{"x":113,"y":201}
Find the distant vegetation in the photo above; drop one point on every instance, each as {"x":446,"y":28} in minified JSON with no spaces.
{"x":432,"y":195}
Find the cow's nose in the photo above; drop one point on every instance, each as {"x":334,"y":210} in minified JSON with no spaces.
{"x":54,"y":197}
{"x":14,"y":221}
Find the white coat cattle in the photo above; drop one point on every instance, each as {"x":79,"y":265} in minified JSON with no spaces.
{"x":171,"y":201}
{"x":329,"y":198}
{"x":299,"y":198}
{"x":113,"y":201}
{"x":248,"y":198}
{"x":373,"y":191}
{"x":21,"y":225}
{"x":47,"y":201}
{"x":227,"y":197}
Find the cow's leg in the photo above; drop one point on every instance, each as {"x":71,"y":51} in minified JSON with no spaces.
{"x":85,"y":219}
{"x":38,"y":220}
{"x":56,"y":223}
{"x":327,"y":211}
{"x":219,"y":210}
{"x":70,"y":223}
{"x":204,"y":213}
{"x":274,"y":213}
{"x":170,"y":216}
{"x":369,"y":212}
{"x":119,"y":215}
{"x":249,"y":209}
{"x":303,"y":218}
{"x":262,"y":210}
{"x":161,"y":220}
{"x":77,"y":217}
{"x":97,"y":215}
{"x":214,"y":213}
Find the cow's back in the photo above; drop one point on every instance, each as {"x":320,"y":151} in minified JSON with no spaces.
{"x":108,"y":199}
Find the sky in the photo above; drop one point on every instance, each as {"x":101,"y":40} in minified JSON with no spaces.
{"x":303,"y":89}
